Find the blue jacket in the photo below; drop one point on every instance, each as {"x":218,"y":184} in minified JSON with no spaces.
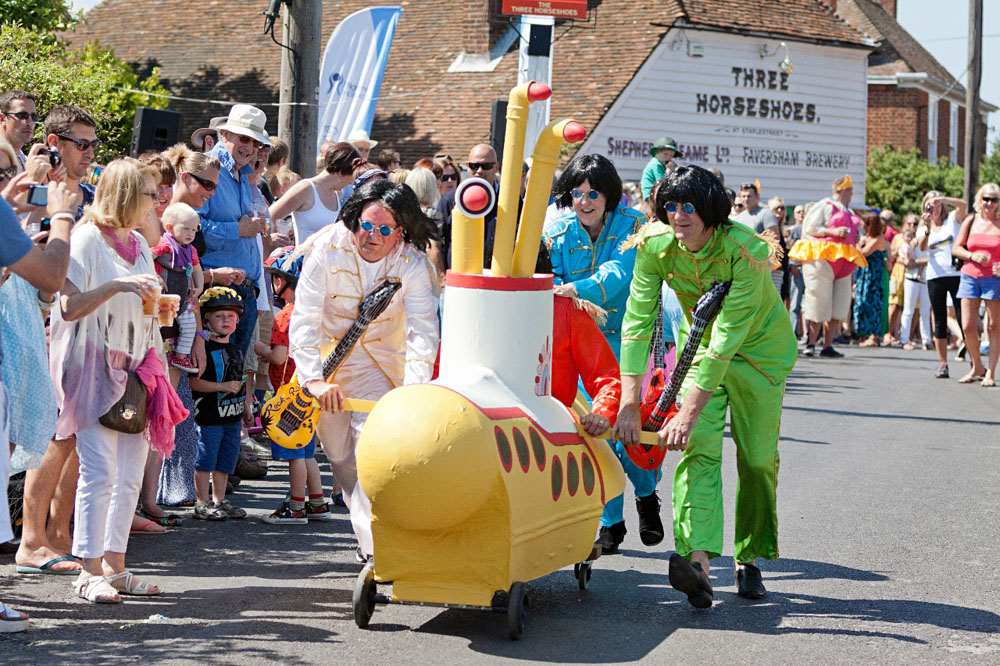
{"x":220,"y":220}
{"x":600,"y":271}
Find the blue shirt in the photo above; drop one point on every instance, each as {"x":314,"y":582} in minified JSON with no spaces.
{"x":600,"y":271}
{"x":14,"y":244}
{"x":224,"y":247}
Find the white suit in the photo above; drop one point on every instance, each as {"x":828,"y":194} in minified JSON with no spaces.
{"x":397,"y":348}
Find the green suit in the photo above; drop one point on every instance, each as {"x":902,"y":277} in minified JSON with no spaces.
{"x":743,"y":360}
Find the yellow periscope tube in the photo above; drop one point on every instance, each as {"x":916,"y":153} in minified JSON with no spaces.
{"x":467,"y":243}
{"x":536,"y":198}
{"x":510,"y":182}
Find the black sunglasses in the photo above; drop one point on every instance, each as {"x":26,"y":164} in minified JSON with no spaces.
{"x":24,"y":116}
{"x":449,"y":176}
{"x":81,"y":144}
{"x":204,"y":182}
{"x":485,"y":166}
{"x":990,"y":199}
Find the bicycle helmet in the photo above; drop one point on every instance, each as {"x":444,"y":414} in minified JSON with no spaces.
{"x":281,"y":264}
{"x":220,"y":298}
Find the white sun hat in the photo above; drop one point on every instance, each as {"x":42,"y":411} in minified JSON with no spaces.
{"x":361,"y":136}
{"x":248,"y":121}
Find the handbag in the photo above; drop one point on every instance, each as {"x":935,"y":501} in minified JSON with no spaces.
{"x":128,"y":415}
{"x":957,"y":263}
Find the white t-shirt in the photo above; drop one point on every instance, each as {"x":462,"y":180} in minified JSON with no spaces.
{"x":939,"y":244}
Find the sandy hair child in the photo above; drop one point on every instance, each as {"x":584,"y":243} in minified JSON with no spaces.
{"x":222,"y":399}
{"x":303,"y":470}
{"x":177,"y":263}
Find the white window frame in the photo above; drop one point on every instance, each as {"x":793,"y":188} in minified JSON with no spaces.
{"x":953,"y":110}
{"x":932,"y":125}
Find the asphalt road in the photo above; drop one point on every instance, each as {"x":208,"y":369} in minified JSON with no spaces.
{"x":888,"y":507}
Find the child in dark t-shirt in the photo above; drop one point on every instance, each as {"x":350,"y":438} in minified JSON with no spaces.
{"x":220,"y":396}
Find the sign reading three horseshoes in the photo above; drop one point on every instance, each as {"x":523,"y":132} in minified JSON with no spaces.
{"x":795,"y":128}
{"x":564,"y":9}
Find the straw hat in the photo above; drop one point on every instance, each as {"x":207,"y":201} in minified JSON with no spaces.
{"x":248,"y":121}
{"x":198,"y":137}
{"x":361,"y":136}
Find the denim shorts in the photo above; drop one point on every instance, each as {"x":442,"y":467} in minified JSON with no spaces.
{"x":987,"y":288}
{"x":281,"y":453}
{"x":219,"y":448}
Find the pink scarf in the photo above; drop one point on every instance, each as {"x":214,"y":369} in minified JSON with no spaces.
{"x":163,"y":408}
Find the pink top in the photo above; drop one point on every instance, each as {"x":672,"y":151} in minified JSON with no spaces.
{"x":982,"y":243}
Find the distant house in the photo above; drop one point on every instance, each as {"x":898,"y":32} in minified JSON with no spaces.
{"x":913,"y":101}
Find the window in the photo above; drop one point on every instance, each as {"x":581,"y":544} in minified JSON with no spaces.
{"x":954,"y":110}
{"x":932,"y":127}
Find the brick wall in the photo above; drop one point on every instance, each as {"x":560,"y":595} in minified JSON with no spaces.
{"x":895,"y":119}
{"x":944,"y":129}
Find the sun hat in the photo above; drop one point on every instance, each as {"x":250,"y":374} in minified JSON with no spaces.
{"x":198,"y":136}
{"x":361,"y":136}
{"x":663,"y":143}
{"x":248,"y":121}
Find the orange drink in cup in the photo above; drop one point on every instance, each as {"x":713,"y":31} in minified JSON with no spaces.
{"x":170,"y":305}
{"x":150,"y":304}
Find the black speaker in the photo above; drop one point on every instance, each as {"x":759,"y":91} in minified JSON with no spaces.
{"x":154,"y":129}
{"x":498,"y":126}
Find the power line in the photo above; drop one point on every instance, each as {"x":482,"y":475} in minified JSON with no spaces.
{"x":955,"y":39}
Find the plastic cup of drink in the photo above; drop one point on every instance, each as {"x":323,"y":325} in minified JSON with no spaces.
{"x":150,"y":304}
{"x":169,"y":306}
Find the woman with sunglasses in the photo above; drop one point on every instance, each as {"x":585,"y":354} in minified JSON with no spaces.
{"x":588,"y":262}
{"x":978,"y":244}
{"x":741,"y":369}
{"x":450,"y":175}
{"x":936,"y":235}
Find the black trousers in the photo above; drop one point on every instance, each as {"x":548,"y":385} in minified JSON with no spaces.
{"x":938,"y":290}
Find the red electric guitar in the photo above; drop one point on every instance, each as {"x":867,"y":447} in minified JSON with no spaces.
{"x":659,"y":405}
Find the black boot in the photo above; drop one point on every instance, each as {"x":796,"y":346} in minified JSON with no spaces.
{"x":609,"y":538}
{"x":650,"y":525}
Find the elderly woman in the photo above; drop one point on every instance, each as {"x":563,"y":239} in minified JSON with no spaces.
{"x":102,"y":343}
{"x":978,"y":244}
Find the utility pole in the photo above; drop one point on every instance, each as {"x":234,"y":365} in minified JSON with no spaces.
{"x":302,"y":27}
{"x":973,"y":155}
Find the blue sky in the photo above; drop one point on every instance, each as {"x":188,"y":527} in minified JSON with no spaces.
{"x":940,"y":26}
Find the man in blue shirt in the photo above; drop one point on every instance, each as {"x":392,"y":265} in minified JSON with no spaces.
{"x":228,"y":220}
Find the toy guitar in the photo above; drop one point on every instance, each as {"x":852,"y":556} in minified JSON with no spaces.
{"x":290,"y":417}
{"x":659,"y":405}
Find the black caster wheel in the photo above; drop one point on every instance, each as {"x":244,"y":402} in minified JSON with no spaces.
{"x":517,"y":610}
{"x":583,"y":572}
{"x":364,"y":596}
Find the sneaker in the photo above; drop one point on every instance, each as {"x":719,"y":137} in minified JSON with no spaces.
{"x":209,"y":511}
{"x":233,"y":512}
{"x":830,"y":352}
{"x":360,"y":557}
{"x":318,"y":511}
{"x":609,"y":538}
{"x":810,"y":350}
{"x":942,"y":372}
{"x":650,"y":525}
{"x":286,"y":515}
{"x":12,"y":621}
{"x":184,"y":363}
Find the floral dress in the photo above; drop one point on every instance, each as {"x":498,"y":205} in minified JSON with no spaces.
{"x":869,"y":293}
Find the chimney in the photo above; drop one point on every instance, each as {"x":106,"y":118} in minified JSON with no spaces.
{"x":477,"y":28}
{"x":889,"y":6}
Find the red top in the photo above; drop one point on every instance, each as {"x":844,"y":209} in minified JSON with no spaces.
{"x":579,"y":350}
{"x":163,"y":247}
{"x":982,"y":243}
{"x":279,"y":338}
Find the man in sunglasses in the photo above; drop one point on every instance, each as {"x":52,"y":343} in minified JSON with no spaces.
{"x":382,"y":235}
{"x":72,"y":132}
{"x":229,"y":223}
{"x":482,"y":164}
{"x":18,"y":117}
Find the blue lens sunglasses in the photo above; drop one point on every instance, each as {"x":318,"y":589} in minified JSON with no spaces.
{"x":383,"y":229}
{"x":591,"y":194}
{"x":672,"y":207}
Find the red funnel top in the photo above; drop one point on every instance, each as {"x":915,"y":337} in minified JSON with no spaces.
{"x":574,"y":132}
{"x":538,"y":92}
{"x":475,"y":200}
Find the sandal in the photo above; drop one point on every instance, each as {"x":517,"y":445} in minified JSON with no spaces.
{"x":97,"y":589}
{"x":148,"y":527}
{"x":234,"y":512}
{"x":169,"y":520}
{"x":970,"y":378}
{"x":988,"y":382}
{"x":209,"y":511}
{"x":12,"y":621}
{"x":128,"y":583}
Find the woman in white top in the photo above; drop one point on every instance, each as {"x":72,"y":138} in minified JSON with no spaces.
{"x":914,"y":286}
{"x":938,"y":231}
{"x":315,"y":202}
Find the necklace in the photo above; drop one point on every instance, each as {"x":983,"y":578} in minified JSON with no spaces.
{"x":129,"y":253}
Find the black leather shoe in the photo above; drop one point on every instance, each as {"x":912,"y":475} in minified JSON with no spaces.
{"x":609,"y":538}
{"x":688,"y":578}
{"x":650,"y":525}
{"x":749,"y":582}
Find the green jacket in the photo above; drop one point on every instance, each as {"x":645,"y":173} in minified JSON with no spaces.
{"x":653,"y":171}
{"x":752,"y":324}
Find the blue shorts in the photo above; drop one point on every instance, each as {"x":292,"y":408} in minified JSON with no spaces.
{"x":281,"y":453}
{"x":219,"y":448}
{"x":985,"y":287}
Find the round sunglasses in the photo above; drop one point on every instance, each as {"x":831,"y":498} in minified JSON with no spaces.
{"x":383,"y":229}
{"x":672,"y":207}
{"x":591,"y":194}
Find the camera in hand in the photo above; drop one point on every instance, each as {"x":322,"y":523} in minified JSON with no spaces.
{"x":54,"y":158}
{"x":38,"y":195}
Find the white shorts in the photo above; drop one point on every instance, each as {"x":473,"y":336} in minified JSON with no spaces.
{"x":825,"y":298}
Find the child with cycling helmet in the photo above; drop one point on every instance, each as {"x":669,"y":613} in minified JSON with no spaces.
{"x":303,"y":470}
{"x":222,"y":402}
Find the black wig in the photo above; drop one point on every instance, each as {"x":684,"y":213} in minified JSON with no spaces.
{"x":400,"y":200}
{"x":599,"y":173}
{"x":700,"y":188}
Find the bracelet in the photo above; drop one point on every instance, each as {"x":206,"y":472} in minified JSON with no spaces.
{"x":202,"y":334}
{"x":45,"y":305}
{"x":211,"y":275}
{"x":70,"y":215}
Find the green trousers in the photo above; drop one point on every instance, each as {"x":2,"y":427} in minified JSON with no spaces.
{"x":755,"y":418}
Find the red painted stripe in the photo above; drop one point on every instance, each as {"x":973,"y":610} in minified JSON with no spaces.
{"x":491,"y":283}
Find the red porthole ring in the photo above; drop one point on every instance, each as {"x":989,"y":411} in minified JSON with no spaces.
{"x":588,"y":474}
{"x":521,"y":446}
{"x":538,"y":448}
{"x":503,"y":446}
{"x":572,"y":475}
{"x":557,"y":478}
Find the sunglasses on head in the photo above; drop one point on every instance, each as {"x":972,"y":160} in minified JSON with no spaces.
{"x":82,"y":145}
{"x":383,"y":229}
{"x":204,"y":182}
{"x":591,"y":194}
{"x":9,"y":172}
{"x":672,"y":207}
{"x":24,"y":116}
{"x":449,"y":176}
{"x":485,"y":166}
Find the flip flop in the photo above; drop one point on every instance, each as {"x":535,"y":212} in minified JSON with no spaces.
{"x":47,"y":567}
{"x":144,"y":529}
{"x":988,"y":382}
{"x":169,"y":520}
{"x":970,"y":378}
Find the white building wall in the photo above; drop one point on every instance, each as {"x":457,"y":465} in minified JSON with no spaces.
{"x":817,"y":135}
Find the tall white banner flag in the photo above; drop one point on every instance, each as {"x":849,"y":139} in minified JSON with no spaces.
{"x":351,"y":75}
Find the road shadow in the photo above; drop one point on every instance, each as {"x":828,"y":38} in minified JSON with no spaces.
{"x":891,"y":417}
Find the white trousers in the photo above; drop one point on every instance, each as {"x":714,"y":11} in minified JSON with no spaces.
{"x":111,"y":465}
{"x":6,"y":534}
{"x":914,"y":294}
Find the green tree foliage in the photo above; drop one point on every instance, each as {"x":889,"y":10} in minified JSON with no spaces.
{"x":989,"y":171}
{"x":90,"y":77}
{"x":40,"y":15}
{"x":898,"y":180}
